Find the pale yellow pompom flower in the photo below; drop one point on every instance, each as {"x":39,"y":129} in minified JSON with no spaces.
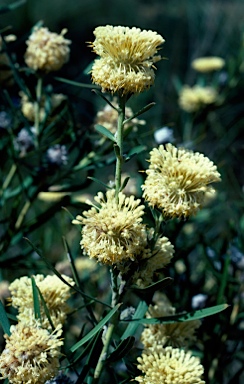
{"x":192,"y":99}
{"x":47,"y":51}
{"x":153,"y":260}
{"x":54,"y":291}
{"x":208,"y":64}
{"x":113,"y":232}
{"x":178,"y":180}
{"x":127,"y":57}
{"x":180,"y":334}
{"x":169,"y":366}
{"x":31,"y":354}
{"x":46,"y":106}
{"x":108,"y":118}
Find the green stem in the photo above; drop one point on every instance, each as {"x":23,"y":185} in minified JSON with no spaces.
{"x":38,"y":107}
{"x":187,"y":134}
{"x":22,"y":214}
{"x":114,"y":272}
{"x":223,"y":281}
{"x":120,"y":131}
{"x":8,"y":179}
{"x":110,"y":330}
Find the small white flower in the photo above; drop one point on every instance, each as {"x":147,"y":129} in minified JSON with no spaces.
{"x":164,"y":135}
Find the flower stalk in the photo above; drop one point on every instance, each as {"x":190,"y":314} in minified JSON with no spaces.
{"x":119,"y":155}
{"x":37,"y":107}
{"x":111,"y":326}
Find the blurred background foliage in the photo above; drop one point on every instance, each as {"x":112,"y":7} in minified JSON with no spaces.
{"x":209,"y":256}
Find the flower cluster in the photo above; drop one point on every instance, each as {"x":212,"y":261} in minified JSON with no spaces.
{"x":46,"y":106}
{"x":113,"y":231}
{"x":179,"y":334}
{"x":54,"y":291}
{"x":169,"y":366}
{"x":47,"y":51}
{"x":208,"y":64}
{"x":31,"y":354}
{"x":127,"y":57}
{"x":108,"y":117}
{"x":25,"y":140}
{"x":153,"y":259}
{"x":57,"y":155}
{"x":192,"y":99}
{"x":178,"y":180}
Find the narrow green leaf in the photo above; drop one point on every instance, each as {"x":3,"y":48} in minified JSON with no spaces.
{"x":117,"y":151}
{"x":122,"y":349}
{"x":77,"y":279}
{"x":72,"y":263}
{"x":135,"y":151}
{"x":36,"y":302}
{"x":132,"y":327}
{"x":92,"y":358}
{"x":12,"y":6}
{"x":51,"y":267}
{"x":75,"y":83}
{"x":99,"y":182}
{"x":153,"y":287}
{"x":98,"y":93}
{"x":105,"y":132}
{"x":46,"y":310}
{"x":127,"y":131}
{"x":189,"y":316}
{"x":95,"y":329}
{"x":12,"y":317}
{"x":224,"y":280}
{"x":124,"y":183}
{"x":88,"y":68}
{"x":4,"y":320}
{"x":81,"y":354}
{"x":143,"y":110}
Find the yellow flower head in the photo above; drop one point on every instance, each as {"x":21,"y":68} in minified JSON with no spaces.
{"x":174,"y":334}
{"x":153,"y":260}
{"x":108,"y":117}
{"x":127,"y":57}
{"x":47,"y":107}
{"x":208,"y":64}
{"x":169,"y":366}
{"x":178,"y":180}
{"x":54,"y":291}
{"x":197,"y":97}
{"x":114,"y":231}
{"x":31,"y":354}
{"x":47,"y":51}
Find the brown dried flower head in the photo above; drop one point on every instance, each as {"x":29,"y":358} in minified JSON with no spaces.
{"x":113,"y":232}
{"x":127,"y":57}
{"x":169,"y":366}
{"x":47,"y":51}
{"x":31,"y":354}
{"x":178,"y":180}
